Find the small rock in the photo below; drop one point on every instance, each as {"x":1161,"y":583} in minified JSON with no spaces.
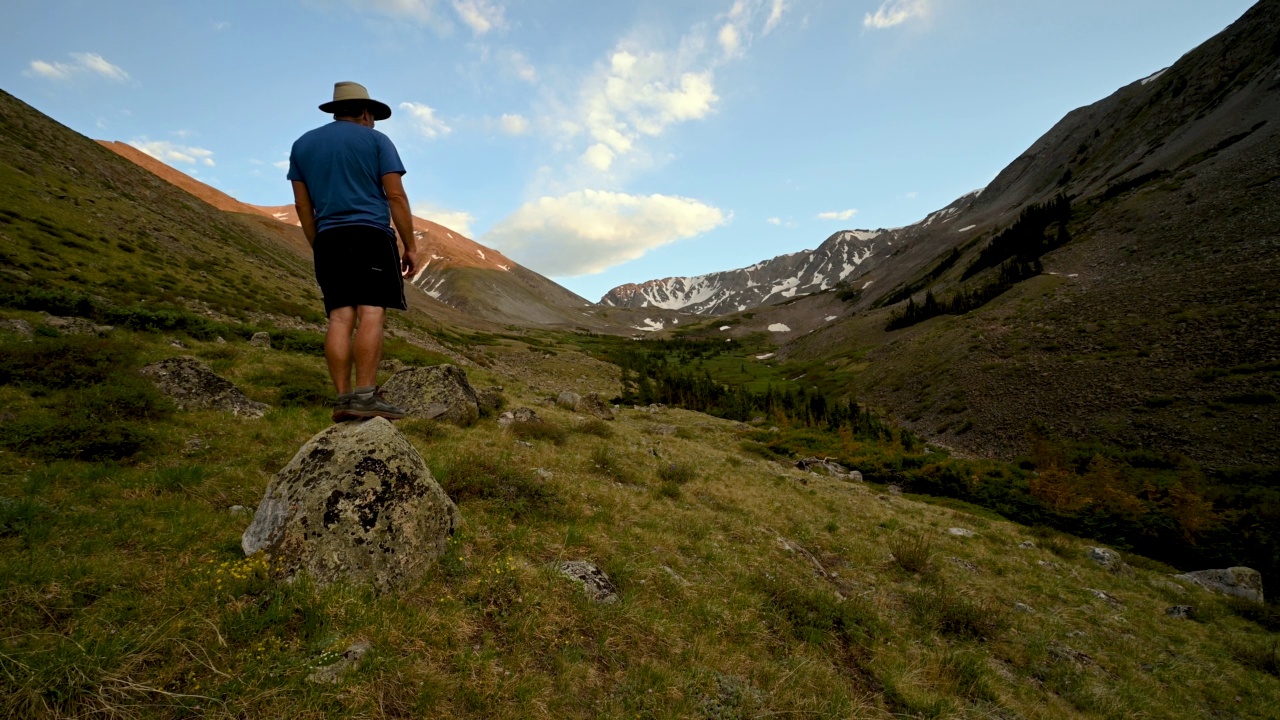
{"x":595,"y":583}
{"x":962,"y":532}
{"x":594,"y":405}
{"x":334,"y":672}
{"x":1239,"y":582}
{"x":894,"y":490}
{"x":543,"y":473}
{"x":568,"y":400}
{"x":193,"y":386}
{"x":961,"y":562}
{"x":775,"y":430}
{"x":675,"y":575}
{"x":524,"y":444}
{"x":1108,"y":559}
{"x":220,"y":340}
{"x":519,"y":415}
{"x":1063,"y":652}
{"x":18,"y":327}
{"x":854,"y":476}
{"x":77,"y":326}
{"x":1049,"y":565}
{"x":238,"y":510}
{"x":1103,"y":595}
{"x":177,"y":343}
{"x":392,"y":365}
{"x":1027,"y":545}
{"x":1023,"y":608}
{"x":1180,"y":611}
{"x":261,"y":339}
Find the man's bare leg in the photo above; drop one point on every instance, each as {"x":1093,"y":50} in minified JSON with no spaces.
{"x":337,"y":347}
{"x":368,"y":344}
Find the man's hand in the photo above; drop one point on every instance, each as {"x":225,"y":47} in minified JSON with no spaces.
{"x":306,"y":212}
{"x":409,"y":263}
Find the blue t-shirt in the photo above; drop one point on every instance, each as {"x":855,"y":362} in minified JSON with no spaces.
{"x":342,"y":165}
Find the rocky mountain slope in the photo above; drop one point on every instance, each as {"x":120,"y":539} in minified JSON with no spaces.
{"x":1156,"y":326}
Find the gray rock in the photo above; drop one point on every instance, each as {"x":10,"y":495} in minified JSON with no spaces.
{"x":594,"y":582}
{"x":332,"y":673}
{"x":391,"y":365}
{"x":77,"y":326}
{"x":18,"y":327}
{"x":961,"y":532}
{"x":440,"y":391}
{"x":356,"y":503}
{"x":894,"y":490}
{"x":490,"y":399}
{"x":261,"y":339}
{"x":239,"y":510}
{"x":967,"y":565}
{"x":1027,"y":545}
{"x":1023,"y":607}
{"x":1239,"y":582}
{"x":543,"y":473}
{"x":825,"y":466}
{"x":1103,"y":595}
{"x":1108,"y":559}
{"x":220,"y":340}
{"x":193,"y":386}
{"x":854,"y":476}
{"x":517,"y":416}
{"x":1180,"y":611}
{"x":569,"y":400}
{"x":593,"y":404}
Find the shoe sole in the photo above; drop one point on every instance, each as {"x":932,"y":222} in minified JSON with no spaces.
{"x":367,"y":414}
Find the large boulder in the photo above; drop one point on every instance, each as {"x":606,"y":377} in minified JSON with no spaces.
{"x":568,"y":400}
{"x":593,"y":404}
{"x":356,"y":503}
{"x":193,"y":386}
{"x":1240,"y":582}
{"x":436,"y":392}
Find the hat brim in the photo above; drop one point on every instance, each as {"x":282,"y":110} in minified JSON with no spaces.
{"x":381,"y":111}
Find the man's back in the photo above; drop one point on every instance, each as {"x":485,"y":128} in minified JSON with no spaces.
{"x":342,"y":165}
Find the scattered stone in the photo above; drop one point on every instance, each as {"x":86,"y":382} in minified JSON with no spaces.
{"x":757,"y":420}
{"x":1239,"y":582}
{"x":1108,"y":559}
{"x":1077,"y":634}
{"x":967,"y":565}
{"x":1023,"y":608}
{"x":193,"y":445}
{"x":825,"y":466}
{"x":662,"y":429}
{"x":1103,"y":595}
{"x":594,"y":582}
{"x":77,"y":326}
{"x":1027,"y":545}
{"x":1066,"y":653}
{"x":596,"y":406}
{"x":333,"y":673}
{"x":962,"y":532}
{"x":524,"y":444}
{"x":261,"y":339}
{"x":569,"y":400}
{"x":854,"y":476}
{"x":894,"y":490}
{"x":239,"y":510}
{"x":357,"y":502}
{"x":734,"y":697}
{"x":775,"y":430}
{"x":1049,"y":565}
{"x":220,"y":340}
{"x":543,"y":473}
{"x":1180,"y":611}
{"x":177,"y":343}
{"x":439,"y":392}
{"x":18,"y":327}
{"x":519,"y":415}
{"x":741,"y":426}
{"x":193,"y":386}
{"x":675,"y":575}
{"x":490,"y":399}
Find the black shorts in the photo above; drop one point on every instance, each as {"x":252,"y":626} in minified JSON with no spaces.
{"x":358,"y":265}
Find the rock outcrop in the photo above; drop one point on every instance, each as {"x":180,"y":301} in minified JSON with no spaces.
{"x":193,"y":386}
{"x":439,"y":392}
{"x":76,"y":326}
{"x":594,"y":582}
{"x":1239,"y":582}
{"x":356,"y":503}
{"x":517,"y":416}
{"x":261,"y":339}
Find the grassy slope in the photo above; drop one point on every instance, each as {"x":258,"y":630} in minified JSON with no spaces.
{"x":125,"y":592}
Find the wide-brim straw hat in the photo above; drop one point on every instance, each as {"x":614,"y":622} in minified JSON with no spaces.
{"x":351,"y":92}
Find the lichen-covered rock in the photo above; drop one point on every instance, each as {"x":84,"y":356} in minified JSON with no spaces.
{"x":595,"y":583}
{"x":490,"y":400}
{"x":77,"y":326}
{"x":334,"y":672}
{"x":569,"y":400}
{"x":193,"y":386}
{"x":18,"y":327}
{"x":356,"y":503}
{"x":261,"y":339}
{"x":439,"y":392}
{"x":826,"y":466}
{"x":594,"y":405}
{"x":517,"y":416}
{"x":1240,"y":582}
{"x":1108,"y":559}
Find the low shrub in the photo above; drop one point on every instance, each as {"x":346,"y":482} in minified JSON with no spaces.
{"x":604,"y":462}
{"x":596,"y":427}
{"x":817,"y":617}
{"x":912,"y":551}
{"x":469,"y":476}
{"x":677,"y":473}
{"x":540,"y":430}
{"x":956,"y":615}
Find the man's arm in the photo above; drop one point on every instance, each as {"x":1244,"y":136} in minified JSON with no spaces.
{"x":306,"y":212}
{"x":393,"y":186}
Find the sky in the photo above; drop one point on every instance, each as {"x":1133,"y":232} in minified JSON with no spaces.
{"x":601,"y":143}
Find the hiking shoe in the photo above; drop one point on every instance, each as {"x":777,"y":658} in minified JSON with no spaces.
{"x":342,"y":407}
{"x":371,"y":406}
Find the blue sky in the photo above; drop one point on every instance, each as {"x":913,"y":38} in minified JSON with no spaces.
{"x":607,"y":142}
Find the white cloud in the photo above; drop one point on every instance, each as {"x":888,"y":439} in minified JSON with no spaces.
{"x":775,"y":15}
{"x":170,"y":153}
{"x":730,"y":40}
{"x":419,"y":11}
{"x":838,"y":215}
{"x":514,"y":124}
{"x":912,"y":195}
{"x":590,"y":231}
{"x":774,"y":221}
{"x":221,"y":25}
{"x":456,"y":220}
{"x":599,"y":156}
{"x":895,"y":12}
{"x":480,"y":15}
{"x":521,"y":66}
{"x":282,"y":164}
{"x":425,"y":121}
{"x":83,"y":63}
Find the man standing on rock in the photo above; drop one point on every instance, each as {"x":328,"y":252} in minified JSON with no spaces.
{"x":347,"y":189}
